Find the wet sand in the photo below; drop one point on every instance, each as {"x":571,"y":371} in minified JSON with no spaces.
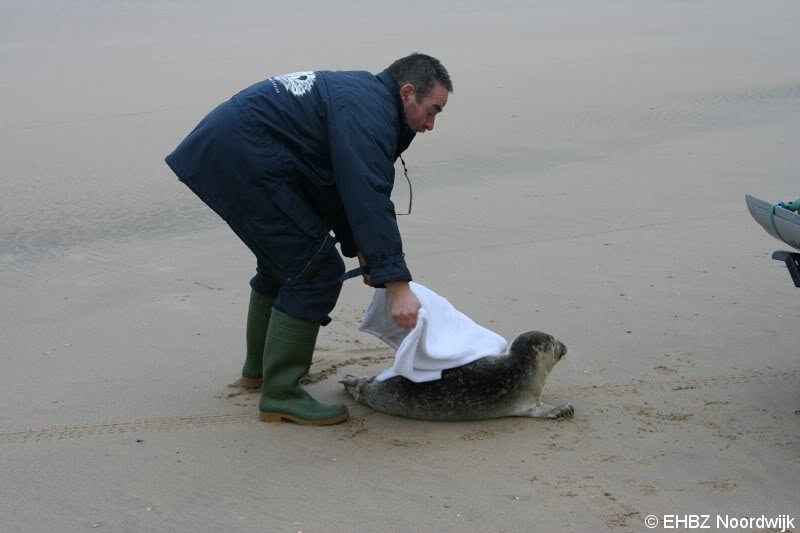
{"x":586,"y":179}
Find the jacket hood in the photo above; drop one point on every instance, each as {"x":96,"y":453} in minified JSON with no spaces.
{"x":406,"y":134}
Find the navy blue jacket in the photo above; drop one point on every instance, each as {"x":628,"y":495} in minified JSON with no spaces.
{"x":320,"y":146}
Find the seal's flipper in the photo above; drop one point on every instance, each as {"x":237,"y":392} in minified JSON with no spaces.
{"x":350,"y":380}
{"x":354,"y":385}
{"x":543,"y":410}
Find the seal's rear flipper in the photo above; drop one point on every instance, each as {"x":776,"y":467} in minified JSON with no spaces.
{"x":354,"y":385}
{"x":350,"y":380}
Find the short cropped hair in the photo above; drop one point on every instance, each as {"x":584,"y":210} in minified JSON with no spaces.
{"x":422,"y":71}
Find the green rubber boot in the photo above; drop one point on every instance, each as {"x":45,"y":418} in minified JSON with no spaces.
{"x":288,"y":351}
{"x":257,"y":322}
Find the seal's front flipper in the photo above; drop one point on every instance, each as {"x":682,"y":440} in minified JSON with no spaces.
{"x":565,"y":411}
{"x":543,"y":410}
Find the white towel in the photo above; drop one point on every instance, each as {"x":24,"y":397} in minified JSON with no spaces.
{"x":443,"y":337}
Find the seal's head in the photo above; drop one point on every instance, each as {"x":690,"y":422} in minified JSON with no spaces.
{"x":541,"y":348}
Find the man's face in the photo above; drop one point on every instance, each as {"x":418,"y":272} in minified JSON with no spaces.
{"x":421,"y":114}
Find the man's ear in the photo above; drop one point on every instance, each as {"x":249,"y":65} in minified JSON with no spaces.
{"x":407,"y":91}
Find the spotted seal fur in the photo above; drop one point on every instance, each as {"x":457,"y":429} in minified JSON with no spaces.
{"x":490,"y":387}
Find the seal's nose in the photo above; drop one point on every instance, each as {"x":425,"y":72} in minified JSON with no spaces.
{"x":563,"y":349}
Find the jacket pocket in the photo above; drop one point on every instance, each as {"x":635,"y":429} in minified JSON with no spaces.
{"x":297,"y":209}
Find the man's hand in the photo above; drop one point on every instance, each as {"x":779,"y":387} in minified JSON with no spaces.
{"x":362,"y":263}
{"x":405,"y":306}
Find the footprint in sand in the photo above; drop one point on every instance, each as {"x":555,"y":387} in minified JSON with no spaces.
{"x":721,"y":485}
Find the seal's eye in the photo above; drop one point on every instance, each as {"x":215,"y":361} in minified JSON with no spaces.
{"x":562,"y":349}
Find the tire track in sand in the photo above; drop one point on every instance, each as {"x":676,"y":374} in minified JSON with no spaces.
{"x":190,"y":422}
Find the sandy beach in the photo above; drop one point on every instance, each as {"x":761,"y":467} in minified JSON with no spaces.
{"x":586,"y":179}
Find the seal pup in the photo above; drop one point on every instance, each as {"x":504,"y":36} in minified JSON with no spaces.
{"x":490,"y":387}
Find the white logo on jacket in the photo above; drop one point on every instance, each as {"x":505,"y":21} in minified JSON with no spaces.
{"x":298,"y":83}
